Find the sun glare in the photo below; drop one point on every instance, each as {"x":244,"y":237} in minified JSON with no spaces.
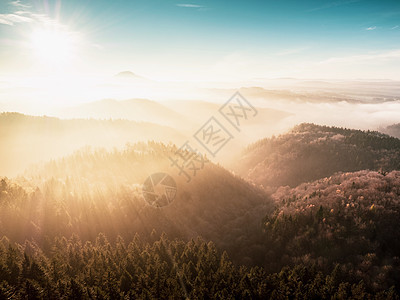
{"x":52,"y":47}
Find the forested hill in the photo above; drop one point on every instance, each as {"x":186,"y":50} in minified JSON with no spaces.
{"x":309,"y":152}
{"x":28,"y":140}
{"x":84,"y":230}
{"x":157,"y":269}
{"x":393,"y":130}
{"x":349,"y":220}
{"x":334,"y":237}
{"x":99,"y":191}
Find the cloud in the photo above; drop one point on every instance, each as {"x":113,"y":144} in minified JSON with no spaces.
{"x":44,"y":20}
{"x":395,"y":27}
{"x":394,"y":54}
{"x":4,"y":21}
{"x":371,"y":28}
{"x":18,"y":3}
{"x":188,"y":5}
{"x":12,"y":19}
{"x":23,"y":14}
{"x":333,"y":4}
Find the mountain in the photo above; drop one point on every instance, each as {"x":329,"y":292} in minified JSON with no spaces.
{"x":65,"y":222}
{"x":309,"y":152}
{"x":347,"y":222}
{"x":129,"y":75}
{"x":29,"y":139}
{"x":265,"y":116}
{"x":186,"y":116}
{"x":140,"y":110}
{"x":393,"y":130}
{"x":356,"y":91}
{"x":317,"y":92}
{"x":299,"y":95}
{"x":316,"y":97}
{"x":100,"y":191}
{"x":266,"y":122}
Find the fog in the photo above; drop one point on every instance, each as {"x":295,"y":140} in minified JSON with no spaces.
{"x":172,"y":112}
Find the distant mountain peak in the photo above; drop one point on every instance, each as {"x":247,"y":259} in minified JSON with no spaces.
{"x":128,"y":74}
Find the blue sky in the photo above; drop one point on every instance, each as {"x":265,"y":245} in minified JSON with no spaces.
{"x":208,"y":39}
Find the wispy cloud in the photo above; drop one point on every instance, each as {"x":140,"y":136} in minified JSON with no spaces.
{"x":12,"y":19}
{"x":393,"y":54}
{"x":18,"y":3}
{"x":333,"y":4}
{"x":395,"y":27}
{"x":23,"y":14}
{"x":188,"y":5}
{"x":370,"y":28}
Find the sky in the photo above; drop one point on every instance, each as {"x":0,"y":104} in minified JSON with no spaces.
{"x":201,"y":40}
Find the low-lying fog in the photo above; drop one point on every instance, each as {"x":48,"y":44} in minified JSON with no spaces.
{"x":174,"y":111}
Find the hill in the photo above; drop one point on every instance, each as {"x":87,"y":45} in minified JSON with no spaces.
{"x":287,"y":95}
{"x":129,"y":75}
{"x":393,"y":130}
{"x":309,"y":152}
{"x":185,"y":115}
{"x":265,"y":116}
{"x":335,"y":236}
{"x":29,"y":139}
{"x":348,"y":222}
{"x":139,"y":110}
{"x":101,"y":192}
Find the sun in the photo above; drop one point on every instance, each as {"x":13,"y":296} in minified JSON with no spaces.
{"x":52,"y":47}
